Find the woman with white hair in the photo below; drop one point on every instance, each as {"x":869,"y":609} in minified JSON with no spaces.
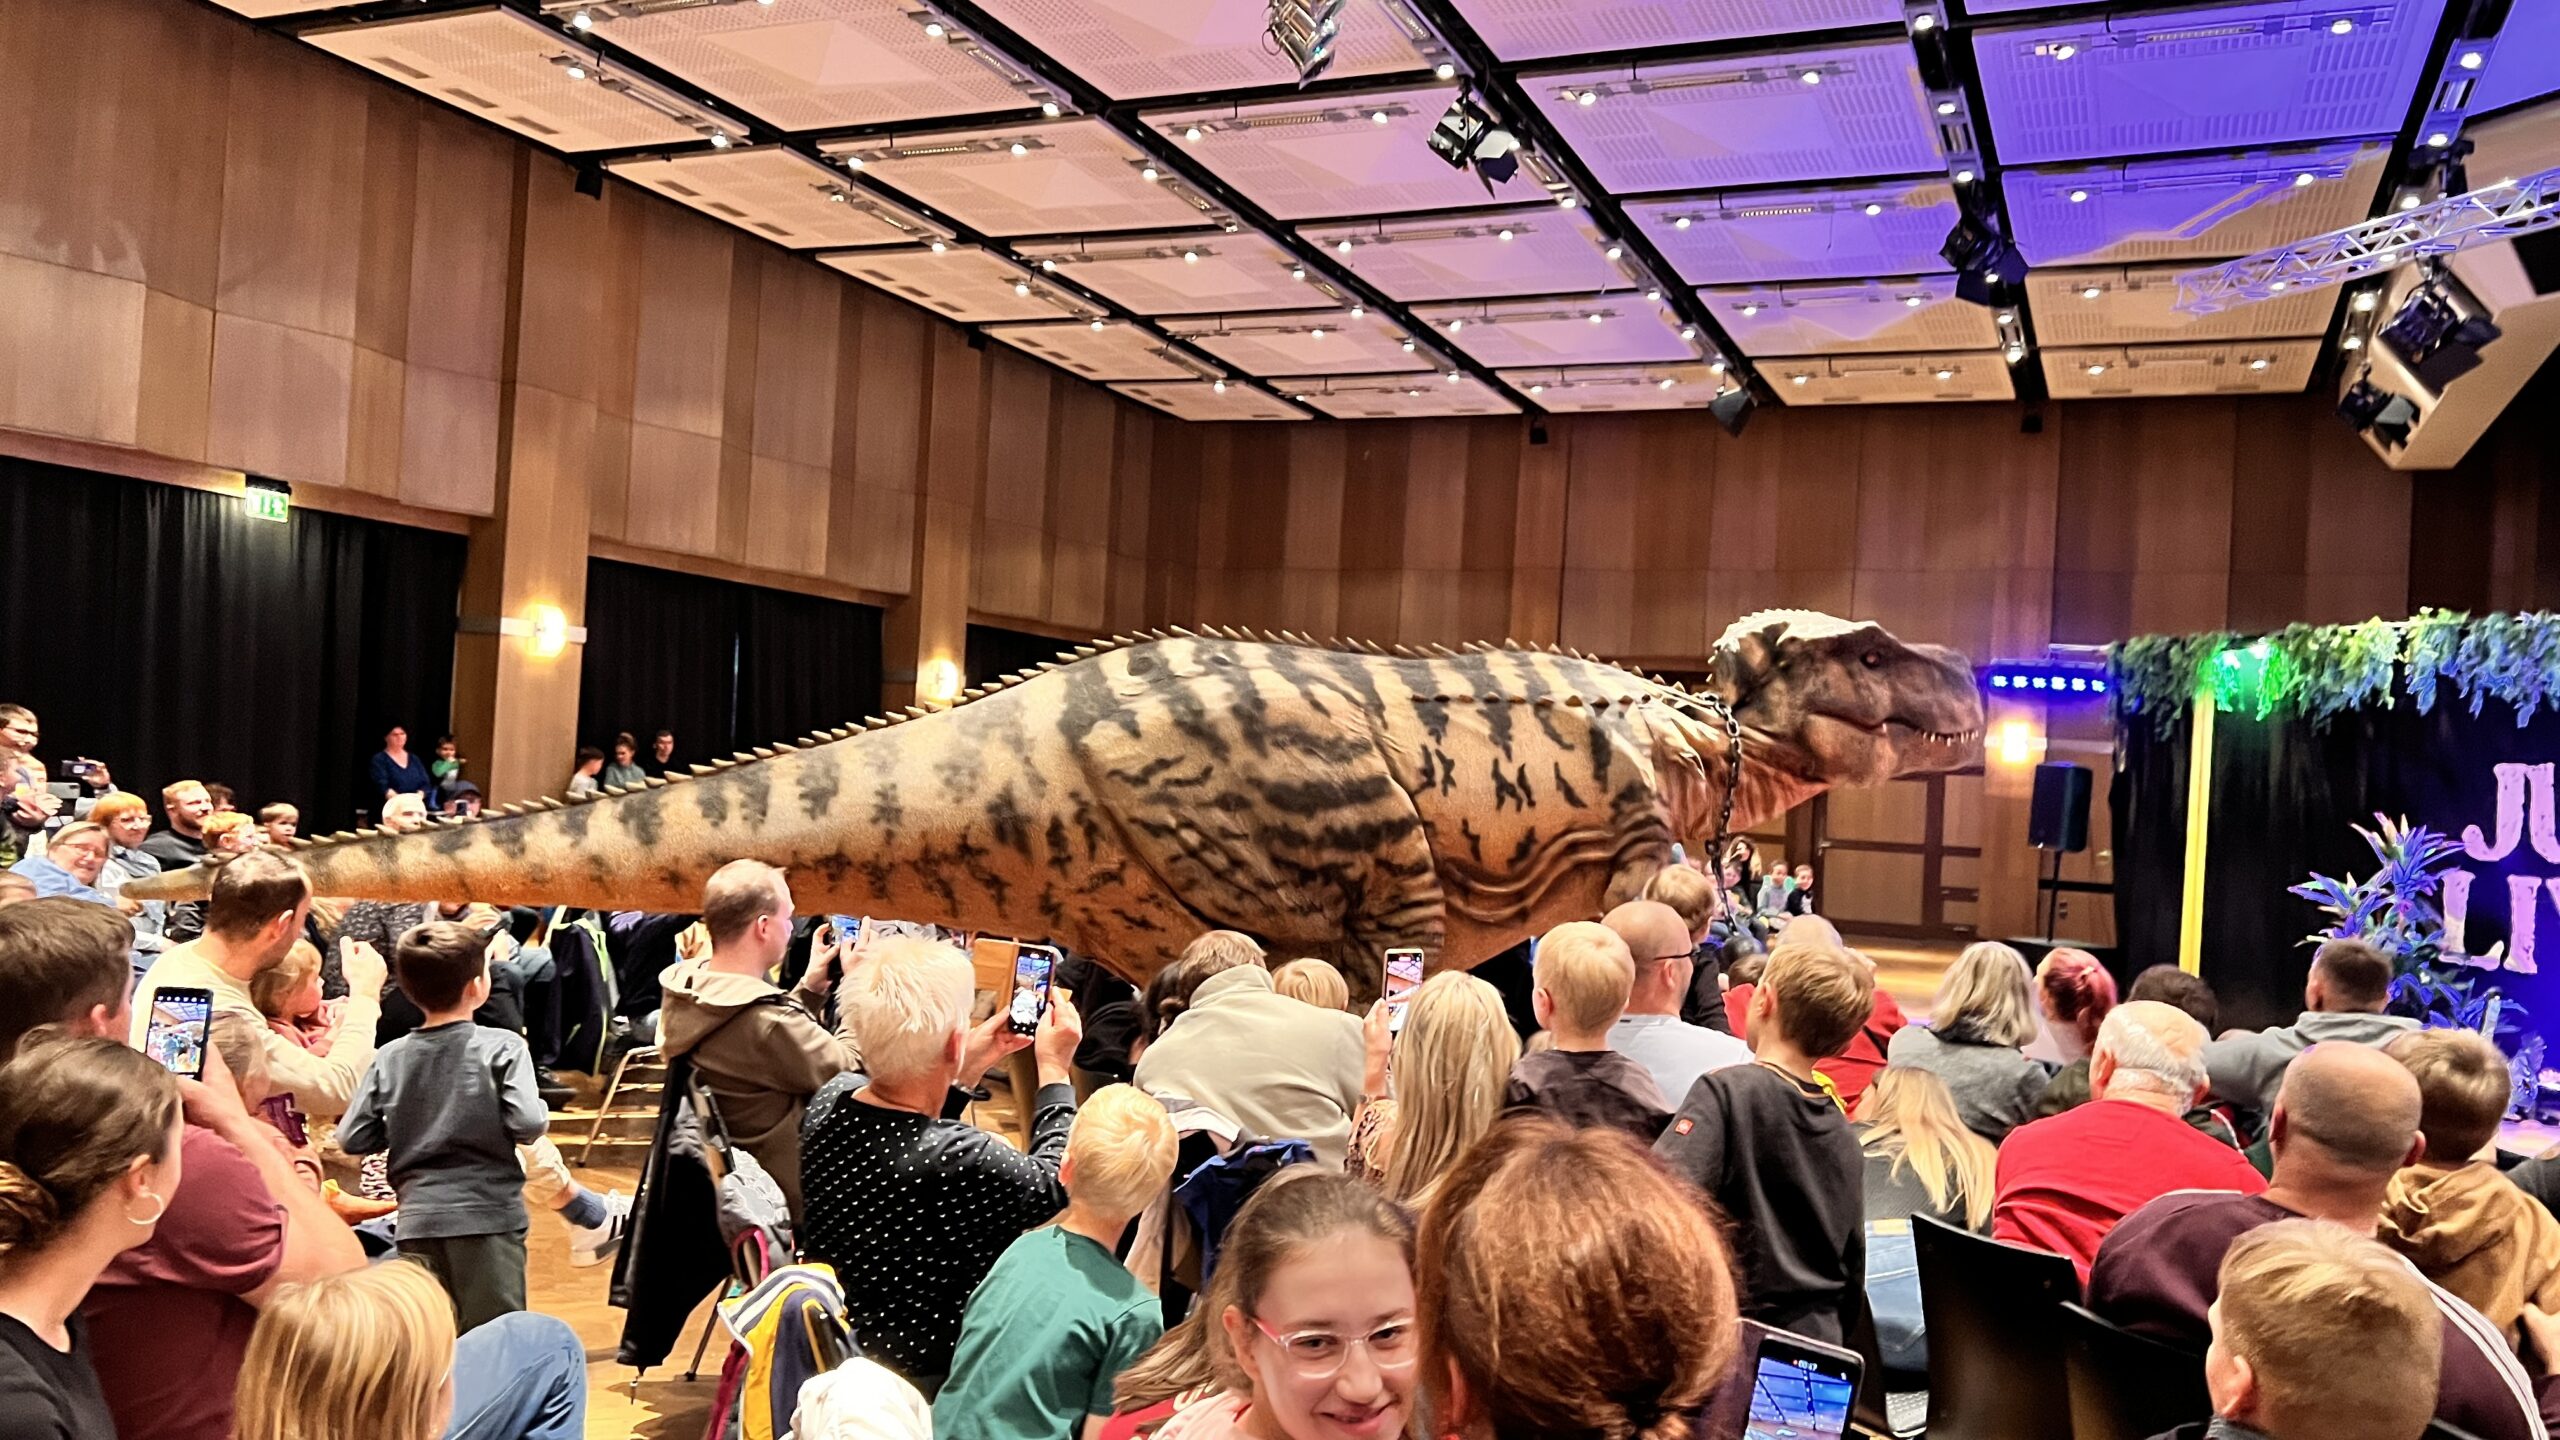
{"x":1982,"y":1017}
{"x":909,"y":1203}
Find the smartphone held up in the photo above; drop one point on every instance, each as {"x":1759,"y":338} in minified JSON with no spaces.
{"x":181,"y":1020}
{"x":1034,"y":968}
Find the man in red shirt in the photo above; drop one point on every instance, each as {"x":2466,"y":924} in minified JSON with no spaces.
{"x":2065,"y":1181}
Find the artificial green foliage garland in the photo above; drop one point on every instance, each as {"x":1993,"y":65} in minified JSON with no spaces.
{"x":2320,"y":672}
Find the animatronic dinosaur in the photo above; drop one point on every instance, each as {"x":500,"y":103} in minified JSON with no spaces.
{"x":1334,"y":800}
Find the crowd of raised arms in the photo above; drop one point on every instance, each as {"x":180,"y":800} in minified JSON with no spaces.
{"x":267,"y":1163}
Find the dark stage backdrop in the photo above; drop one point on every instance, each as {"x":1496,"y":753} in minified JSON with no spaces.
{"x":163,"y":631}
{"x":725,"y":666}
{"x":995,"y":652}
{"x":2284,"y":797}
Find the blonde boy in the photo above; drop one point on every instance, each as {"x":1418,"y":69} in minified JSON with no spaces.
{"x":1584,"y":973}
{"x":2320,"y":1334}
{"x":1058,"y":1318}
{"x":1315,"y":982}
{"x":2462,"y":1223}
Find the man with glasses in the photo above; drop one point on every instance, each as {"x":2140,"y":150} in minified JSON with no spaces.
{"x":1651,"y":1033}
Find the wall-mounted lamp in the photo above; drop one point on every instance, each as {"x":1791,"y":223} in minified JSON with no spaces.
{"x":545,"y":630}
{"x":938,"y":681}
{"x":2015,"y":742}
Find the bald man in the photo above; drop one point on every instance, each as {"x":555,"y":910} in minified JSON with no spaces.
{"x":2345,"y":1121}
{"x":1651,"y":1033}
{"x":2067,"y":1180}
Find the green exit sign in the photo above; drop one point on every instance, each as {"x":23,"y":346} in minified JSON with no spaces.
{"x":268,"y":499}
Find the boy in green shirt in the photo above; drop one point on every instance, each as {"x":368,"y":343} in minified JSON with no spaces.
{"x":1058,"y":1318}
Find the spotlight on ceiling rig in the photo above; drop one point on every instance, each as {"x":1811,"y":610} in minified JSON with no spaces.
{"x":2374,"y":410}
{"x":1467,"y":136}
{"x":2439,"y":329}
{"x":1732,"y":408}
{"x":1986,"y":263}
{"x":1305,"y":31}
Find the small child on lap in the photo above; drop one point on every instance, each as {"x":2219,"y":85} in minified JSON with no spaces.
{"x":450,"y":1102}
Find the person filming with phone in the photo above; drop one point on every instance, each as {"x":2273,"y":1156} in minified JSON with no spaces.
{"x":759,"y":1051}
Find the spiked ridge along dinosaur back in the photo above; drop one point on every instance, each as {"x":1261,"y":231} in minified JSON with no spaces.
{"x":1333,"y":799}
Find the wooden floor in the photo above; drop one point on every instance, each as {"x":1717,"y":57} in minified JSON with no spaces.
{"x":663,"y":1405}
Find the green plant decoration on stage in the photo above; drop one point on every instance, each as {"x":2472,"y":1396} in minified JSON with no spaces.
{"x":2320,"y":672}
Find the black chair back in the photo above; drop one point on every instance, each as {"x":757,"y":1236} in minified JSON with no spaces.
{"x":2438,"y":1430}
{"x":1995,"y":1335}
{"x":2126,"y":1386}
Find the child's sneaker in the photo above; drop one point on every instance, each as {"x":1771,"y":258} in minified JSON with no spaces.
{"x":594,"y":1245}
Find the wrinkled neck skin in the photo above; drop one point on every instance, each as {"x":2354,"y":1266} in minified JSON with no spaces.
{"x":1692,"y":762}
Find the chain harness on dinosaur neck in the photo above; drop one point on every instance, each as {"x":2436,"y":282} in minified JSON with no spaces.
{"x":1718,"y":712}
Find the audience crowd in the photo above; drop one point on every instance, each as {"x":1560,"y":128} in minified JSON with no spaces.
{"x":1234,"y":1205}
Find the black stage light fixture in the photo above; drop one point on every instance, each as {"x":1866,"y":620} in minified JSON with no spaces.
{"x":2439,"y":329}
{"x":1986,"y":263}
{"x":1305,"y":31}
{"x":1732,"y":408}
{"x":591,"y":179}
{"x":2376,"y":411}
{"x":1466,"y":136}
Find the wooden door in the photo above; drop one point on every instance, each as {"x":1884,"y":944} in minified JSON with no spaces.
{"x":1900,"y":859}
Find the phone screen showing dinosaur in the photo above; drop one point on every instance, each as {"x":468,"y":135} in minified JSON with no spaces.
{"x":1404,"y":973}
{"x":179,"y":1020}
{"x":1033,"y":966}
{"x":1799,"y":1395}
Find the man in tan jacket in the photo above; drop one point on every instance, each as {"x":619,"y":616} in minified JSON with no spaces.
{"x":759,"y":1052}
{"x":1280,"y":1068}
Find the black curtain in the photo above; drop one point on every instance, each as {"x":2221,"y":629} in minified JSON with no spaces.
{"x":995,"y":652}
{"x":723,"y":665}
{"x":165,"y":632}
{"x":2285,"y":796}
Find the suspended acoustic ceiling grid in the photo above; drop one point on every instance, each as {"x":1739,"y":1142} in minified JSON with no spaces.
{"x":1764,"y":184}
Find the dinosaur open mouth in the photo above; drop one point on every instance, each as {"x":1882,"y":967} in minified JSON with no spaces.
{"x":1952,"y":739}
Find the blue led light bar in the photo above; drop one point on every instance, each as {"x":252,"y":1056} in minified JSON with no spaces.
{"x":2045,"y":680}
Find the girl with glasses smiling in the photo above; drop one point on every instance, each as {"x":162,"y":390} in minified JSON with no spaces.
{"x":1307,"y":1329}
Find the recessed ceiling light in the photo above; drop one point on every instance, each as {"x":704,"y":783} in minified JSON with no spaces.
{"x":1665,"y":383}
{"x":2015,"y":353}
{"x":1615,"y":252}
{"x":2091,"y":292}
{"x":939,"y":247}
{"x":2097,"y":369}
{"x":2258,"y":364}
{"x":1097,"y":325}
{"x":1566,"y":202}
{"x":838,"y":196}
{"x":1297,"y":272}
{"x":2365,"y":301}
{"x":584,"y":21}
{"x":1148,"y":174}
{"x":1595,"y":317}
{"x":2342,"y":26}
{"x":1688,"y":332}
{"x":1504,"y":234}
{"x":1049,"y":108}
{"x":1946,"y":107}
{"x":1964,"y":177}
{"x":1811,"y":77}
{"x":1717,"y":365}
{"x":1377,"y":117}
{"x":1653,"y":295}
{"x":1924,"y":22}
{"x":2352,"y":342}
{"x":1681,"y":223}
{"x":1457,"y":324}
{"x":1914,"y":302}
{"x":2277,"y":286}
{"x":1301,"y":399}
{"x":1020,"y":149}
{"x":1453,"y":377}
{"x":1587,"y":97}
{"x":2065,"y":52}
{"x":2007,"y":317}
{"x":1218,"y":387}
{"x":1343,"y":246}
{"x":1190,"y":257}
{"x":1538,"y":389}
{"x":1798,"y":379}
{"x":1750,"y":310}
{"x":933,"y":30}
{"x":2473,"y":59}
{"x":2409,"y":202}
{"x":1946,"y":374}
{"x":1408,"y":347}
{"x":1192,"y":134}
{"x":853,"y":162}
{"x":1445,"y":70}
{"x":1408,"y":392}
{"x":2438,"y":140}
{"x":719,"y":139}
{"x":574,"y":72}
{"x":1874,"y":209}
{"x":2303,"y":178}
{"x":1021,"y":287}
{"x":1049,"y":266}
{"x":1316,"y":333}
{"x":1357,"y":312}
{"x":2077,"y":196}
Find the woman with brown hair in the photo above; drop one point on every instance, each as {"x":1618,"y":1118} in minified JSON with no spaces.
{"x":1306,"y":1332}
{"x":88,"y":1160}
{"x":1570,"y":1287}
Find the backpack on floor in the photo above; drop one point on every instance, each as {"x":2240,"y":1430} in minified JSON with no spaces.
{"x":788,"y":1329}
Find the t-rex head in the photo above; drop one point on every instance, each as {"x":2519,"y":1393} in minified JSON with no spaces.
{"x":1842,"y":702}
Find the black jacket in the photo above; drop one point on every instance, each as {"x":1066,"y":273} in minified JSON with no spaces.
{"x":672,"y":1254}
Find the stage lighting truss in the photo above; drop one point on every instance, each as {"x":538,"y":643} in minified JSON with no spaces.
{"x":2456,"y":222}
{"x":2045,"y":679}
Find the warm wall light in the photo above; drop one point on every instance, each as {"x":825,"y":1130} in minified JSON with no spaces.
{"x":550,"y":631}
{"x":938,"y":681}
{"x":2017,"y":742}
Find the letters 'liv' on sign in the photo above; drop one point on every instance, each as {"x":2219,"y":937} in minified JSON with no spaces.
{"x":2524,"y":811}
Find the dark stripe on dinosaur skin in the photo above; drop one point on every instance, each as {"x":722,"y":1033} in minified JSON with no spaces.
{"x":640,"y":815}
{"x":1316,"y":797}
{"x":886,"y":812}
{"x":1088,"y":700}
{"x":451,"y":840}
{"x":1283,"y":661}
{"x":711,"y":797}
{"x":510,"y":836}
{"x":1480,"y":680}
{"x":1251,"y":713}
{"x":1564,"y":787}
{"x":1354,"y":672}
{"x":1012,"y":828}
{"x":575,"y":820}
{"x":1527,"y":846}
{"x":755,"y":793}
{"x":821,"y":776}
{"x":1057,"y":838}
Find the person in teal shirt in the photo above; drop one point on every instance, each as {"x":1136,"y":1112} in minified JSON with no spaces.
{"x":1058,"y":1318}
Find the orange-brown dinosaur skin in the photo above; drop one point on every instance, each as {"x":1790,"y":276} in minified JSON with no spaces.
{"x":1330,"y":800}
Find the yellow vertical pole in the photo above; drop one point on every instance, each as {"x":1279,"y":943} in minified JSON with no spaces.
{"x":2199,"y":825}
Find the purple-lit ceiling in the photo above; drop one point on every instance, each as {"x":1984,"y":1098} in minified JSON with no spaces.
{"x":1718,"y":191}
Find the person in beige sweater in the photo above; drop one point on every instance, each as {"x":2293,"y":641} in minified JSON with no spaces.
{"x":2462,"y":1223}
{"x":1280,"y":1068}
{"x":759,"y":1052}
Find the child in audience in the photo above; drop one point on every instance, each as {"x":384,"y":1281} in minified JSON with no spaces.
{"x":229,"y":832}
{"x":1770,"y":1146}
{"x":288,"y":994}
{"x":1315,"y":1264}
{"x":1315,"y":982}
{"x":367,"y":1353}
{"x":2461,"y":1222}
{"x":2319,"y":1334}
{"x":1058,"y":1318}
{"x":1583,"y":977}
{"x":245,"y":1057}
{"x":450,"y":1102}
{"x":1740,"y":974}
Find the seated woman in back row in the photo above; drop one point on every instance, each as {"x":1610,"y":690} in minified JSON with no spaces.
{"x":1981,"y":1018}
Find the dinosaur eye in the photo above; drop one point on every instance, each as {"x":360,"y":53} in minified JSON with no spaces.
{"x":1873,"y":658}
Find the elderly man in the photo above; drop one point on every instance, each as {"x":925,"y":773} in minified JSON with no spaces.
{"x":908,"y":1202}
{"x":2345,"y":1121}
{"x":2065,"y":1181}
{"x":1651,"y":1032}
{"x":2349,"y":986}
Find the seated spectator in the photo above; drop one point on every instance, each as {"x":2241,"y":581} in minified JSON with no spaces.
{"x":372,"y":1353}
{"x":449,"y":1103}
{"x":89,"y":1134}
{"x":25,"y":804}
{"x":1569,"y":1288}
{"x":624,"y":771}
{"x":1741,"y":972}
{"x":1584,"y":975}
{"x":71,"y":864}
{"x":287,"y":993}
{"x":662,"y":757}
{"x":1920,"y":1160}
{"x":2066,"y":1181}
{"x":58,"y":970}
{"x":2073,"y":994}
{"x":280,"y":823}
{"x":1167,"y":995}
{"x":228,"y":832}
{"x":1693,"y":899}
{"x":222,"y":796}
{"x":1772,"y":1149}
{"x":1280,"y":1069}
{"x":584,"y":770}
{"x":760,"y":1052}
{"x":128,"y":822}
{"x":911,"y":1205}
{"x":184,"y":807}
{"x":1651,"y":1032}
{"x":253,"y":918}
{"x":446,"y":771}
{"x":1058,"y":1318}
{"x":2345,"y":1121}
{"x":1307,"y":1331}
{"x":2318,"y":1334}
{"x":2069,"y":1090}
{"x":2343,"y":1000}
{"x":396,"y":771}
{"x":1432,"y":1090}
{"x":15,"y":889}
{"x":1856,"y":1067}
{"x":1977,"y":1023}
{"x":1314,"y":981}
{"x":2172,"y":986}
{"x":2462,"y":1223}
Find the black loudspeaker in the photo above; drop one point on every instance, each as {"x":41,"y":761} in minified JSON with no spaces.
{"x":2060,"y":817}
